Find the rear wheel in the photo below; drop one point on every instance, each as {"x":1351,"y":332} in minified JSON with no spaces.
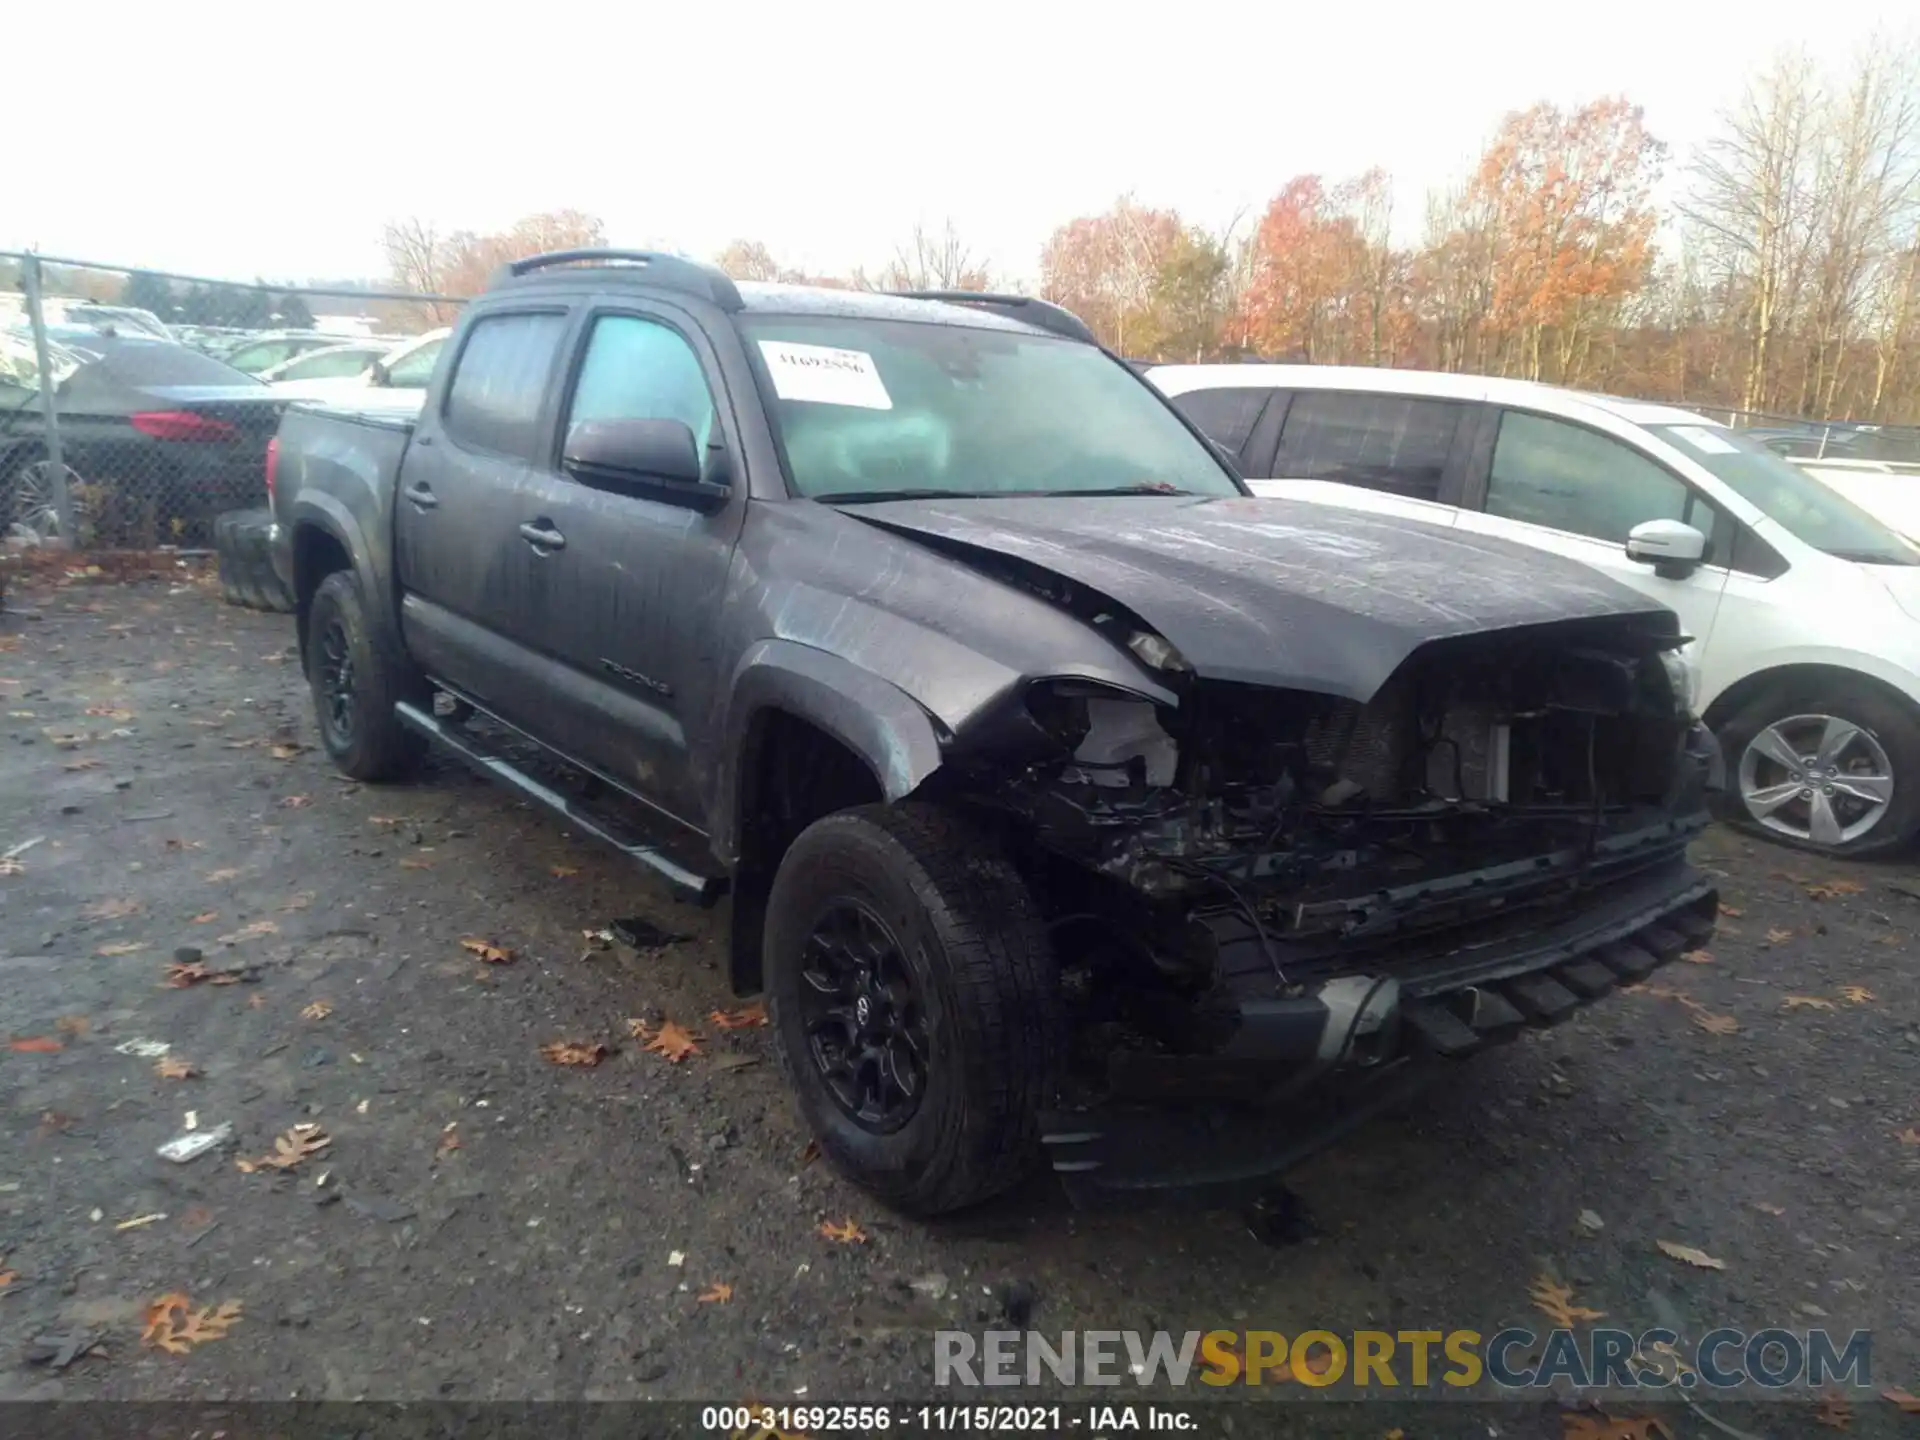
{"x":915,"y":1003}
{"x":242,"y":541}
{"x":27,"y":506}
{"x":1836,"y":771}
{"x":357,"y":676}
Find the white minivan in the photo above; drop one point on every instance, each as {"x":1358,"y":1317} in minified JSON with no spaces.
{"x":1805,"y":610}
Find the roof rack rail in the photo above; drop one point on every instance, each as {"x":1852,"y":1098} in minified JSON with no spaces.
{"x":1043,"y":313}
{"x":672,"y":272}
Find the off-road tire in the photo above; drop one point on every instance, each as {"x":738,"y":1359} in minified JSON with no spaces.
{"x":979,"y":954}
{"x":247,"y":576}
{"x":1891,"y":723}
{"x":372,"y":744}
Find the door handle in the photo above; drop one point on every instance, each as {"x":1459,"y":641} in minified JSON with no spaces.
{"x":421,"y":496}
{"x":543,"y":537}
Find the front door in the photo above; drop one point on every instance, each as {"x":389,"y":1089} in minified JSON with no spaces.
{"x":634,"y":586}
{"x":1558,"y":485}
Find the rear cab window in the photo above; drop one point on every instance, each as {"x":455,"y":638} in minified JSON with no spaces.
{"x":1392,"y":443}
{"x":498,"y":389}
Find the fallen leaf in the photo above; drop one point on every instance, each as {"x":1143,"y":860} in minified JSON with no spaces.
{"x":745,"y":1018}
{"x":810,"y":1153}
{"x":1716,"y":1024}
{"x":1908,"y":1402}
{"x":75,"y":1025}
{"x":488,"y":951}
{"x":1730,"y":910}
{"x":1692,"y":1256}
{"x":1910,"y":1136}
{"x":385,"y":822}
{"x":847,"y":1232}
{"x":1556,"y":1303}
{"x":574,"y":1052}
{"x":121,"y":947}
{"x":1805,"y":1002}
{"x":1776,"y":935}
{"x":250,"y":931}
{"x":174,"y":1327}
{"x":1834,"y":1412}
{"x":216,"y":877}
{"x":285,"y":752}
{"x":141,"y":1221}
{"x":564,"y":872}
{"x":411,"y":863}
{"x":1857,"y":994}
{"x":54,"y":1122}
{"x":7,"y":1277}
{"x":1830,"y":888}
{"x":174,"y":1068}
{"x":1764,"y":1208}
{"x":109,"y":713}
{"x":318,"y":1010}
{"x":205,"y":917}
{"x":718,"y":1293}
{"x":9,"y":865}
{"x":256,"y":1002}
{"x":1697,"y":957}
{"x":449,"y":1140}
{"x":89,"y":763}
{"x":114,"y":909}
{"x":300,"y":1143}
{"x":675,"y":1042}
{"x":1890,"y":937}
{"x":36,"y":1045}
{"x":1575,"y":1426}
{"x":296,"y":802}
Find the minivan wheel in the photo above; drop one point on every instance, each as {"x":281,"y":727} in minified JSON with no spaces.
{"x":914,"y":1000}
{"x":1837,"y":772}
{"x":357,"y":677}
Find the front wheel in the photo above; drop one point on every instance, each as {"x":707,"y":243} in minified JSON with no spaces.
{"x":357,"y":677}
{"x":1836,"y":771}
{"x":915,"y":1003}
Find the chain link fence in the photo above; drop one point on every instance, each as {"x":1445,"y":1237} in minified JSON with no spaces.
{"x":136,"y":405}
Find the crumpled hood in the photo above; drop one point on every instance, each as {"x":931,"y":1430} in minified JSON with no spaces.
{"x":1276,"y":592}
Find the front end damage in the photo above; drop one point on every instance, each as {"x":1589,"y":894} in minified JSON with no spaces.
{"x":1277,"y":911}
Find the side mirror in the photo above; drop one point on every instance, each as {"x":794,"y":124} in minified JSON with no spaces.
{"x":378,"y":374}
{"x":1672,"y":547}
{"x":658,"y":459}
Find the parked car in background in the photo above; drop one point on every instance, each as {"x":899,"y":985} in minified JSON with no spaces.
{"x":1805,"y":608}
{"x":404,"y":368}
{"x":264,"y":351}
{"x":1070,"y":800}
{"x":157,"y":438}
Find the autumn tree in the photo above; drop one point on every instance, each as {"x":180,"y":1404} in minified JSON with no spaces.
{"x":933,"y":260}
{"x":1139,"y":277}
{"x":1323,"y":282}
{"x":424,"y":260}
{"x":750,"y":260}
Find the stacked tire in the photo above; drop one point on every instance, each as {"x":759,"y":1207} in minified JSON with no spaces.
{"x":247,"y":576}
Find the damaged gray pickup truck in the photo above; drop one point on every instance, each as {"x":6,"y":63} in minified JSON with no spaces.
{"x":1069,"y":800}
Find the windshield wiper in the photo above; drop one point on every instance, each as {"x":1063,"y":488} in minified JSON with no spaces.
{"x":873,"y":497}
{"x":1143,"y":487}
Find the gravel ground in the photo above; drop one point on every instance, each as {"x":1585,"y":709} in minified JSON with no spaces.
{"x":496,"y":1226}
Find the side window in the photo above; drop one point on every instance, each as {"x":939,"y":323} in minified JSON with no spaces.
{"x":326,"y":365}
{"x":1225,"y":417}
{"x":1567,"y":477}
{"x":640,"y":370}
{"x":415,"y":369}
{"x":494,"y":400}
{"x":1382,"y":442}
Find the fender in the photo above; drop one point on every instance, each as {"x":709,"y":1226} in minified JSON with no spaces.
{"x":1893,"y":676}
{"x":899,"y":740}
{"x":316,"y":509}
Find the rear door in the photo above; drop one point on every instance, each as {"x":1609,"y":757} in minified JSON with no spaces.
{"x":626,"y":590}
{"x":462,"y":496}
{"x":1395,"y":454}
{"x":1559,"y":485}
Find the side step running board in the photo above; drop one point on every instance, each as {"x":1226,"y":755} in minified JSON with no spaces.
{"x":687,"y":884}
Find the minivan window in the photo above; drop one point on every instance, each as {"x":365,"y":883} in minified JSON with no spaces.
{"x":1567,"y":477}
{"x":867,"y":407}
{"x":1380,"y":442}
{"x":1801,"y":505}
{"x":500,"y":383}
{"x":1225,"y":416}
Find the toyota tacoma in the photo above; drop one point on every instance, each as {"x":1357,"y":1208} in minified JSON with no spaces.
{"x":1069,"y":800}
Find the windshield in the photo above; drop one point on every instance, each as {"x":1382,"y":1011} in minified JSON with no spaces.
{"x":866,"y":408}
{"x":1804,"y":507}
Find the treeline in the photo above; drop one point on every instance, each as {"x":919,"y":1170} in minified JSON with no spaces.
{"x":1783,"y":275}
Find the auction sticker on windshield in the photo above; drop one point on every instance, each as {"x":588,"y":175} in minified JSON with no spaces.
{"x":824,"y":375}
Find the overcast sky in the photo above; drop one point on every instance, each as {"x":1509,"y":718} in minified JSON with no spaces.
{"x":275,"y":139}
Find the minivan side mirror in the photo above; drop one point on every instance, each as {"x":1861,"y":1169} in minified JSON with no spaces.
{"x":1672,"y":547}
{"x":657,"y":459}
{"x":377,"y":374}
